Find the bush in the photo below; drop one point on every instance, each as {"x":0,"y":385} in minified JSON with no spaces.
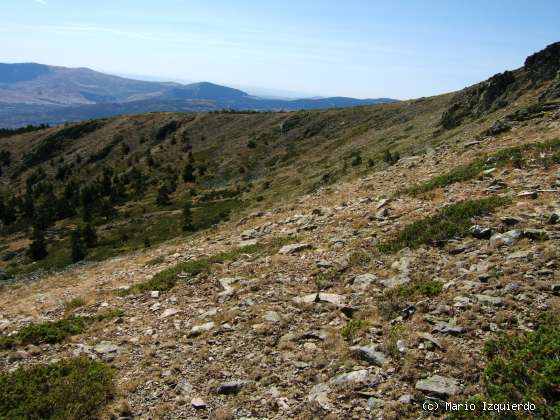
{"x":166,"y":279}
{"x":47,"y":332}
{"x":515,"y":156}
{"x":452,"y":221}
{"x":394,"y":300}
{"x":526,"y":367}
{"x":352,"y":327}
{"x":523,"y":368}
{"x":74,"y":389}
{"x":391,"y":158}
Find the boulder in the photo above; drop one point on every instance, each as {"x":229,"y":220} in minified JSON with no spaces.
{"x":438,"y":385}
{"x":293,"y":248}
{"x":369,"y":354}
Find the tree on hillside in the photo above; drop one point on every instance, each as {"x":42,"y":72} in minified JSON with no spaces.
{"x":163,"y":197}
{"x":391,"y":158}
{"x":188,"y":225}
{"x":89,"y":236}
{"x":38,"y":248}
{"x":188,"y":173}
{"x":76,"y":246}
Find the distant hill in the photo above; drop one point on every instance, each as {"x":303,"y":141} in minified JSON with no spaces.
{"x":33,"y":93}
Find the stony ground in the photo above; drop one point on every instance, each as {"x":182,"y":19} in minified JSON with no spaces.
{"x":253,"y":338}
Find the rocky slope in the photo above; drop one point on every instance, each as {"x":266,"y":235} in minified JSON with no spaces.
{"x":302,"y":315}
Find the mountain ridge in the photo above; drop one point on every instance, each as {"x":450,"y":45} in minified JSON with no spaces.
{"x":32,"y":93}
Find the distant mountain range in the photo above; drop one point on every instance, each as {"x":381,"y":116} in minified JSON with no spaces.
{"x":35,"y":93}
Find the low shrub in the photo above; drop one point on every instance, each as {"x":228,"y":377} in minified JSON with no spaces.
{"x":452,"y":221}
{"x":74,"y":389}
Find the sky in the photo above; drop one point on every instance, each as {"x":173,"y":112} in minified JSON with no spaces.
{"x":359,"y":48}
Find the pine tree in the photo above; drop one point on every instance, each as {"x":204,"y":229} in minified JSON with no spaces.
{"x":188,"y":172}
{"x":162,"y":197}
{"x":188,"y":225}
{"x":77,"y":248}
{"x":89,"y":236}
{"x":38,"y":248}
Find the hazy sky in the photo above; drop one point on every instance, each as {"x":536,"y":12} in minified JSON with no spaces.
{"x":357,"y":48}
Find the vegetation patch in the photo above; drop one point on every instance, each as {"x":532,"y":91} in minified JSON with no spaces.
{"x":47,"y":332}
{"x":8,"y":132}
{"x":55,"y":331}
{"x":523,"y":368}
{"x":517,"y":156}
{"x":55,"y":142}
{"x":166,"y":279}
{"x":452,"y":221}
{"x":352,"y":328}
{"x":394,"y":300}
{"x":73,"y":389}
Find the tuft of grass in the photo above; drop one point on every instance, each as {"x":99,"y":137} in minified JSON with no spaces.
{"x":352,"y":327}
{"x":452,"y":221}
{"x":74,"y":303}
{"x":326,"y":279}
{"x":74,"y":389}
{"x":47,"y":332}
{"x":108,"y":314}
{"x":428,"y":288}
{"x":516,"y":156}
{"x":394,"y":300}
{"x":458,"y":174}
{"x":523,"y":368}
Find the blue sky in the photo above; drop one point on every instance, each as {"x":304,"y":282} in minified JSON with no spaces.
{"x":399,"y":49}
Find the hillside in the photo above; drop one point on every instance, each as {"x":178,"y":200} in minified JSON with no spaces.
{"x":38,"y":94}
{"x":342,"y":263}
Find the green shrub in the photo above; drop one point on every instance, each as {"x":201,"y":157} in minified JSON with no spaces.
{"x":515,"y":156}
{"x":67,"y":390}
{"x":166,"y":279}
{"x":47,"y":332}
{"x":526,"y":367}
{"x":75,"y":303}
{"x":452,"y":221}
{"x":107,"y":314}
{"x":523,"y":368}
{"x":394,"y":300}
{"x":352,"y":327}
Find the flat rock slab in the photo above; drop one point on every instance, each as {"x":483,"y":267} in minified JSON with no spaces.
{"x":369,"y":354}
{"x":438,"y":385}
{"x":364,"y":280}
{"x":293,"y":248}
{"x":446,"y":328}
{"x":395,"y":281}
{"x":319,"y":394}
{"x":198,"y":403}
{"x":489,"y":300}
{"x":356,"y":376}
{"x":169,"y":312}
{"x":105,"y":347}
{"x":199,"y":329}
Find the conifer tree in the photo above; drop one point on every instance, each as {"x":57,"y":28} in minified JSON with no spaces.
{"x":89,"y":236}
{"x":38,"y":248}
{"x":188,"y":173}
{"x":77,"y":248}
{"x":162,"y":197}
{"x":188,"y":225}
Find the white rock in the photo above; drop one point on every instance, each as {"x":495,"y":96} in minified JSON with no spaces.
{"x":199,"y":329}
{"x":169,"y":312}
